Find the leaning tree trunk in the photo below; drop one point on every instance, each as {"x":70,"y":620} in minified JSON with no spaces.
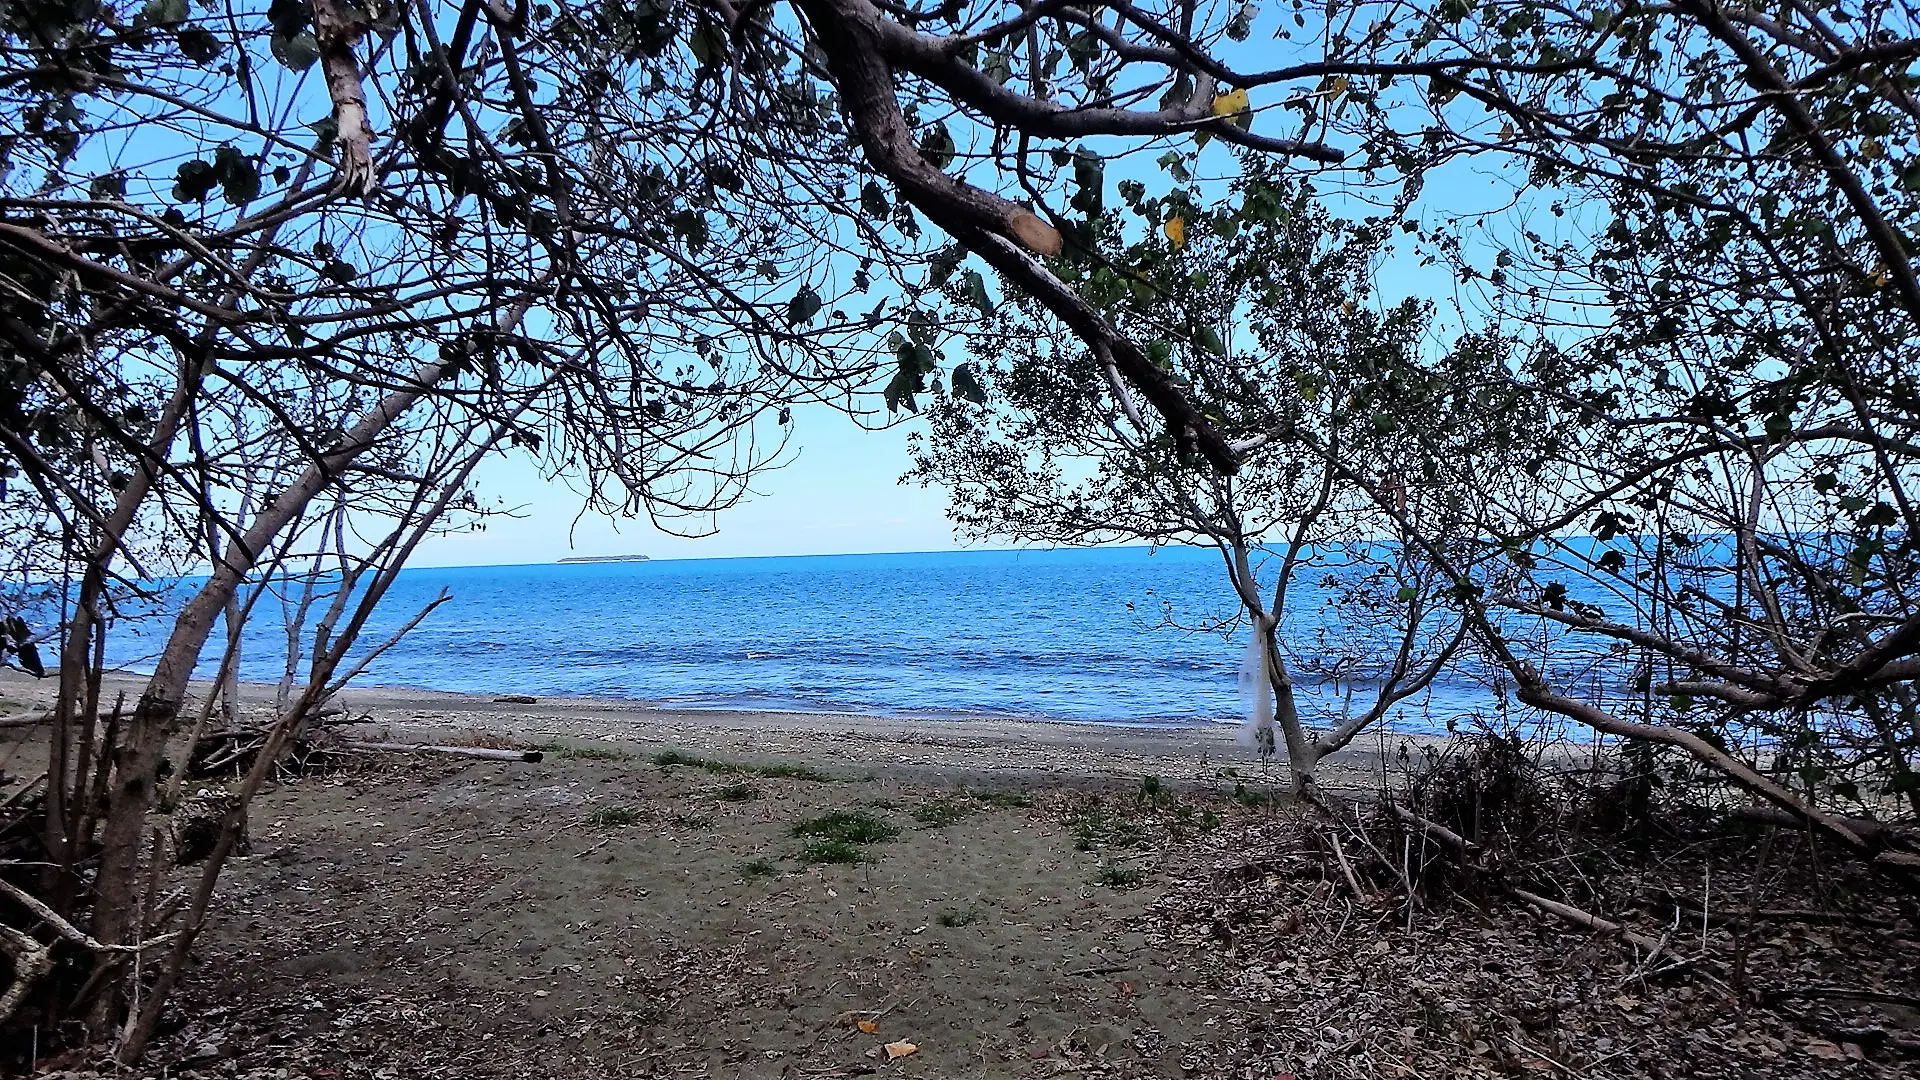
{"x":117,"y":919}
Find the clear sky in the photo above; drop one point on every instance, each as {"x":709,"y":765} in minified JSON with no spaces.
{"x":839,"y":493}
{"x":837,"y":496}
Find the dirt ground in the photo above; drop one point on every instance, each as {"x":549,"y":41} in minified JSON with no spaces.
{"x":654,"y":907}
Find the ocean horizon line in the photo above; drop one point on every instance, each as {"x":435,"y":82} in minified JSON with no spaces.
{"x":612,"y":560}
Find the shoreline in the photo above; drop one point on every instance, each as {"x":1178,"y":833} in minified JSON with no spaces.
{"x":1024,"y":750}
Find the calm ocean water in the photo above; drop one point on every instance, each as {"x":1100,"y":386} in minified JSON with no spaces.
{"x":1066,"y":635}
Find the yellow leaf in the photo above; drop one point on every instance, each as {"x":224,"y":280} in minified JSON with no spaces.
{"x":901,"y":1049}
{"x":1338,"y":85}
{"x":1231,"y":103}
{"x":1176,"y":228}
{"x":866,"y":1026}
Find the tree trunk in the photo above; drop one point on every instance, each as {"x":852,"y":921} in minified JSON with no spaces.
{"x":136,"y":761}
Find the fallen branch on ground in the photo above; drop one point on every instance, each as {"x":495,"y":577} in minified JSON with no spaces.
{"x":482,"y":752}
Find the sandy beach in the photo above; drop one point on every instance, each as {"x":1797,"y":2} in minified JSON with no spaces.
{"x":1029,"y":751}
{"x":718,"y":895}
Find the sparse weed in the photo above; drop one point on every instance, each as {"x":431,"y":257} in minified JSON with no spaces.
{"x":1118,"y":875}
{"x":1094,"y":825}
{"x":954,"y":917}
{"x":788,"y":772}
{"x":760,"y":866}
{"x":941,"y":812}
{"x":691,"y":821}
{"x":487,"y":740}
{"x":1261,"y":797}
{"x":832,"y":851}
{"x":668,"y":759}
{"x":847,"y":826}
{"x":1001,"y":800}
{"x":738,"y":791}
{"x":610,"y":816}
{"x":1153,"y":792}
{"x":563,"y":752}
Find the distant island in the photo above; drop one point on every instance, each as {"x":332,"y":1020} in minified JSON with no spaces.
{"x":604,"y":558}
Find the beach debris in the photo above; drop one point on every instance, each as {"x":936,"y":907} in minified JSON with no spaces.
{"x":516,"y":699}
{"x":898,"y":1050}
{"x":483,"y":752}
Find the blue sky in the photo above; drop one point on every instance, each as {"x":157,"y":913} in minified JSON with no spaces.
{"x":838,"y":495}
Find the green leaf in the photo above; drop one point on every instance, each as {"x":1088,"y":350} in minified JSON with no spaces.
{"x":1205,"y":338}
{"x":1241,"y":25}
{"x":1407,"y":594}
{"x":1083,"y":49}
{"x":297,"y":52}
{"x":975,"y":288}
{"x":1910,"y":176}
{"x":691,"y":225}
{"x":708,"y":44}
{"x":164,"y":12}
{"x":803,"y":307}
{"x":937,"y":145}
{"x":239,"y":176}
{"x":193,"y":181}
{"x":966,"y":387}
{"x":197,"y":45}
{"x":111,"y":186}
{"x":29,"y":657}
{"x":1089,"y":175}
{"x":915,"y":362}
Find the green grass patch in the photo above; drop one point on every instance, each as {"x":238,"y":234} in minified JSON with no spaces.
{"x":942,"y":812}
{"x":825,"y":850}
{"x":788,"y":772}
{"x":1095,"y":826}
{"x":759,"y":867}
{"x":847,"y":826}
{"x":605,"y":817}
{"x":668,"y":760}
{"x":954,"y":917}
{"x":1118,"y":875}
{"x":738,"y":791}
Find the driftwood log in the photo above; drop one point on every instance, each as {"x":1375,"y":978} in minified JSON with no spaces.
{"x":482,"y":752}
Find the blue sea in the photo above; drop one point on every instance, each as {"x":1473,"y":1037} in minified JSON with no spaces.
{"x":1069,"y":634}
